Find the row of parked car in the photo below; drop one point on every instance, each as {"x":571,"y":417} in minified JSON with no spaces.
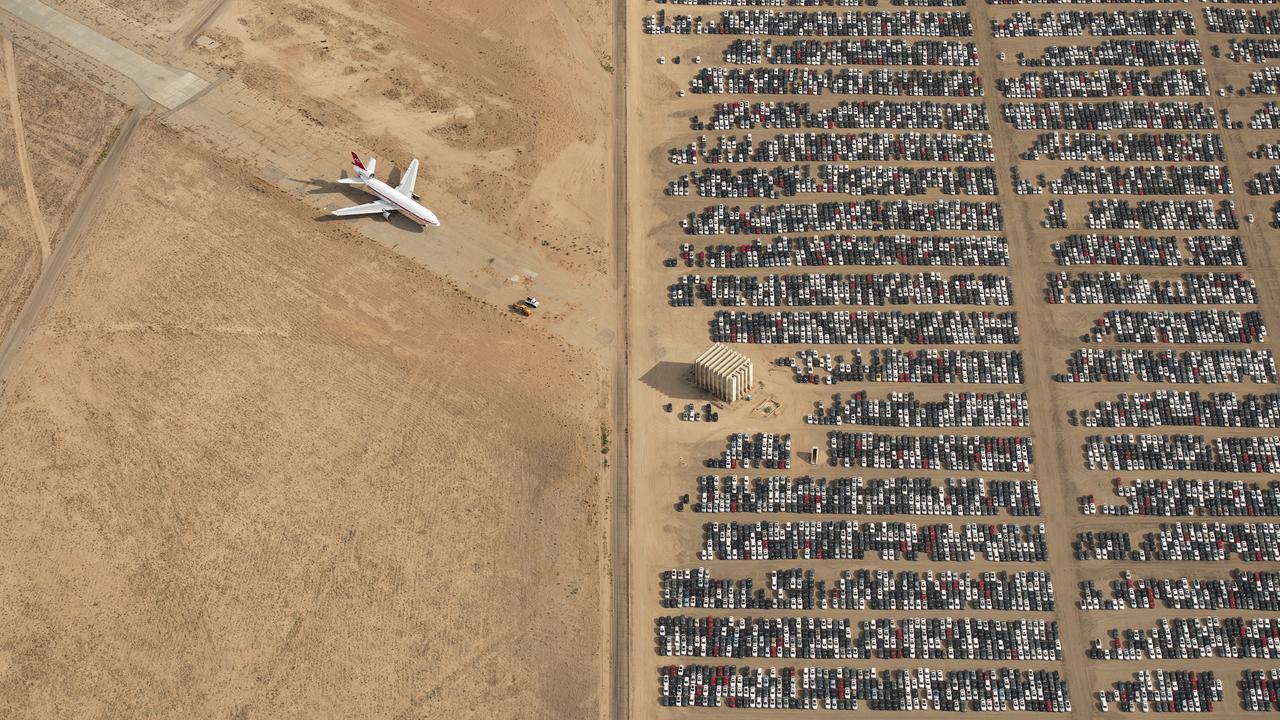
{"x":781,"y":181}
{"x":1162,"y":215}
{"x":815,"y":3}
{"x":846,"y":115}
{"x":862,"y":589}
{"x":1055,"y":212}
{"x":809,"y":3}
{"x":879,"y":589}
{"x":1266,"y":182}
{"x":1113,"y":288}
{"x":1185,"y":408}
{"x":1193,"y":639}
{"x":843,"y":638}
{"x":862,"y":51}
{"x":968,"y":409}
{"x":1164,"y":691}
{"x":866,"y":289}
{"x":845,"y":81}
{"x":869,"y":214}
{"x":1260,"y":690}
{"x":797,"y":23}
{"x":1265,"y":81}
{"x":759,"y":450}
{"x":1183,"y":452}
{"x":1267,"y":151}
{"x":1074,"y":23}
{"x":1266,"y":117}
{"x":1210,"y":367}
{"x":1193,"y":326}
{"x":1200,"y":542}
{"x":870,"y":250}
{"x":1252,"y":50}
{"x":843,"y":688}
{"x":1133,"y":53}
{"x":1163,"y":250}
{"x":1189,"y":496}
{"x":864,"y":327}
{"x":1105,"y":83}
{"x":1239,"y":21}
{"x":1136,"y":180}
{"x":986,"y":367}
{"x":969,"y":496}
{"x":1127,"y":147}
{"x":888,"y":540}
{"x":987,"y":453}
{"x":1110,"y":115}
{"x":1241,"y":590}
{"x":827,"y":146}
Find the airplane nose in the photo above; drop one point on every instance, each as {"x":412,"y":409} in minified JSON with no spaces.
{"x":431,"y":217}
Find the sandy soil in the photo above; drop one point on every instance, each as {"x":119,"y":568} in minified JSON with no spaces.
{"x":257,"y":466}
{"x":505,"y":104}
{"x":67,"y":134}
{"x":19,"y":248}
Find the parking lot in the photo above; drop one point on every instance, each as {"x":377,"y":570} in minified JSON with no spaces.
{"x":968,"y":225}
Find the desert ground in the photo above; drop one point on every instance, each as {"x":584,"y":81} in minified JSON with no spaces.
{"x":260,"y":464}
{"x":19,"y":246}
{"x":64,"y":134}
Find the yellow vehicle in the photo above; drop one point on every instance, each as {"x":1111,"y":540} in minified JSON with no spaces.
{"x":522,"y":309}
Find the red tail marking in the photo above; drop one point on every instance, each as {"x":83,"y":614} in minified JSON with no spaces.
{"x":355,"y":160}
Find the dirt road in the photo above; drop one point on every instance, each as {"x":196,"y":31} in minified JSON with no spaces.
{"x":80,"y":221}
{"x":196,"y":23}
{"x":620,"y":605}
{"x":24,"y":165}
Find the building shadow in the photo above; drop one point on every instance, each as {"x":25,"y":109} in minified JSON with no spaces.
{"x":674,"y":380}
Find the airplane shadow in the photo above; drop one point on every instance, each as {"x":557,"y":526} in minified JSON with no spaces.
{"x":322,"y":186}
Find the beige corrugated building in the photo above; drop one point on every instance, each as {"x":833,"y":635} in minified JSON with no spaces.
{"x":723,"y":372}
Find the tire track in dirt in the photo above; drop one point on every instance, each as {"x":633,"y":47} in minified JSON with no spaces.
{"x":620,"y":526}
{"x":196,"y":24}
{"x":80,"y":221}
{"x":24,"y":165}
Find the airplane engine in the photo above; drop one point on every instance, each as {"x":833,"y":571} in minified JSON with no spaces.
{"x":386,"y":214}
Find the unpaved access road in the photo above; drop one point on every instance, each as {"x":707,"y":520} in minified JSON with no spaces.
{"x":80,"y":222}
{"x":24,"y":165}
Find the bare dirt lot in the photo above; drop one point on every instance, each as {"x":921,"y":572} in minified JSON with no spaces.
{"x":19,"y":248}
{"x":67,"y":134}
{"x":64,"y":135}
{"x":261,"y":465}
{"x":257,"y":466}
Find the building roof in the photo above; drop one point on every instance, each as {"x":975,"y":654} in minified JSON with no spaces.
{"x":721,"y":358}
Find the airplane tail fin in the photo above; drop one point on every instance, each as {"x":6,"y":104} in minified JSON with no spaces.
{"x":360,"y":168}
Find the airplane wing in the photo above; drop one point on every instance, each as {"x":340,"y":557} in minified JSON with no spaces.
{"x":376,"y":206}
{"x":409,"y":178}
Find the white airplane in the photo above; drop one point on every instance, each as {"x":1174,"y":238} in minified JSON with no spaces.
{"x":390,"y":199}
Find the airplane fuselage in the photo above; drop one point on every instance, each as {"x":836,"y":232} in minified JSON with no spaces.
{"x":407,"y":206}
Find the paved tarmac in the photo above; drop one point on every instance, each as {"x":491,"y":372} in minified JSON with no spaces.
{"x":166,"y":85}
